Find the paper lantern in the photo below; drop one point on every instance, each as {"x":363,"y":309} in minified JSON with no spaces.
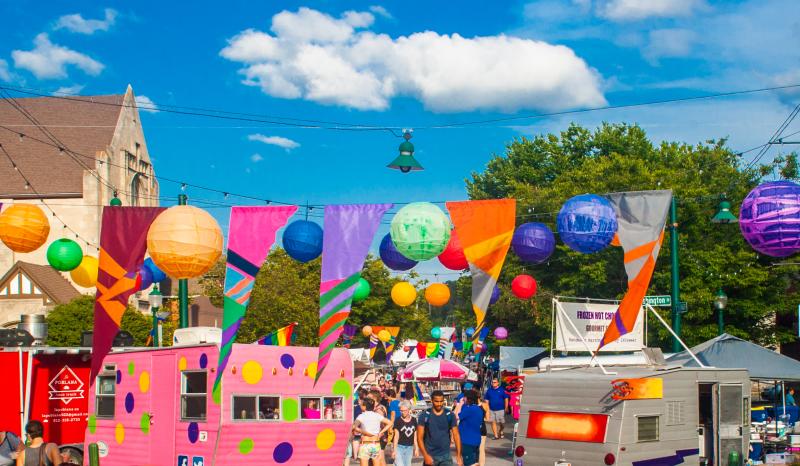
{"x":420,"y":231}
{"x":587,"y":223}
{"x":366,"y":331}
{"x":470,"y":332}
{"x":24,"y":227}
{"x":158,"y":274}
{"x":184,"y":241}
{"x":362,"y":290}
{"x":302,"y":240}
{"x":770,"y":218}
{"x":146,"y":277}
{"x":501,"y":333}
{"x":533,"y":242}
{"x":392,"y":257}
{"x":404,"y":294}
{"x":523,"y":286}
{"x":436,"y":332}
{"x":85,"y":274}
{"x":453,"y":256}
{"x":495,"y":295}
{"x":384,"y":336}
{"x":437,"y":294}
{"x":64,"y":254}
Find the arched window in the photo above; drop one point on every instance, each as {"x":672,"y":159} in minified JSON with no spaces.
{"x":137,"y":190}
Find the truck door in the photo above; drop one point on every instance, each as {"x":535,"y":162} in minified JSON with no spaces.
{"x":163,"y":410}
{"x":729,"y":419}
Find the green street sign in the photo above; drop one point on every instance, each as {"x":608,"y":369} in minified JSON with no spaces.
{"x":658,"y":301}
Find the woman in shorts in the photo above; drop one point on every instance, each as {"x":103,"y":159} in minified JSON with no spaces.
{"x":371,"y":426}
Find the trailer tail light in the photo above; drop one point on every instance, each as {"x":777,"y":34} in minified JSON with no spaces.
{"x":574,"y":427}
{"x":609,"y":459}
{"x":519,"y":451}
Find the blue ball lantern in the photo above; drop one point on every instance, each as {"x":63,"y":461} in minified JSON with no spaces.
{"x":392,"y":257}
{"x":470,"y":332}
{"x":302,"y":240}
{"x":146,"y":276}
{"x":495,"y":295}
{"x":587,"y":223}
{"x":157,"y":275}
{"x":533,"y":242}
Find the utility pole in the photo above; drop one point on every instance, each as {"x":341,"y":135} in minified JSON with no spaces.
{"x":183,"y":286}
{"x":675,"y":275}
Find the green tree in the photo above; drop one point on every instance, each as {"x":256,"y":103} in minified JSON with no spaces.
{"x":543,"y":172}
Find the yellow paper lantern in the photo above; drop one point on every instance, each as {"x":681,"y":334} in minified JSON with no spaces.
{"x":184,"y":241}
{"x":366,"y":331}
{"x":404,"y":294}
{"x":384,"y":336}
{"x":85,"y":274}
{"x":437,"y":294}
{"x":24,"y":227}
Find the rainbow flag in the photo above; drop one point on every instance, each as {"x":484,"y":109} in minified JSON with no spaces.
{"x":284,"y":336}
{"x":640,"y":218}
{"x":417,"y":392}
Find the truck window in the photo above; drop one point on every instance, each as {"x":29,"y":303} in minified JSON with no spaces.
{"x":244,"y":408}
{"x":647,"y":428}
{"x":194,"y":391}
{"x":310,"y":407}
{"x":105,"y":396}
{"x":333,"y":408}
{"x":269,"y":408}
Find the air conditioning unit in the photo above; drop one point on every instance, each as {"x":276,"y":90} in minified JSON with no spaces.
{"x":196,"y":335}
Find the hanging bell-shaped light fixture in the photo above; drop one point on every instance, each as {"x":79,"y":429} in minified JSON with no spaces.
{"x":405,"y":162}
{"x":724,"y":214}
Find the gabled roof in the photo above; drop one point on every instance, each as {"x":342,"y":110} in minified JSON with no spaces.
{"x":83,"y":124}
{"x":47,"y":279}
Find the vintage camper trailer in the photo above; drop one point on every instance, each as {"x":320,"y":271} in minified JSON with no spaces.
{"x":155,"y":407}
{"x":641,"y":416}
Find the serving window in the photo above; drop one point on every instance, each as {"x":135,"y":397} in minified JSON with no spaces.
{"x":329,"y":408}
{"x":256,"y":407}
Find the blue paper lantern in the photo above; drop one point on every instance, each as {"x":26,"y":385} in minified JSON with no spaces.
{"x":495,"y":295}
{"x":147,"y":277}
{"x":533,"y":242}
{"x":587,"y":223}
{"x":158,"y":275}
{"x":470,"y":332}
{"x":302,"y":240}
{"x":392,"y":257}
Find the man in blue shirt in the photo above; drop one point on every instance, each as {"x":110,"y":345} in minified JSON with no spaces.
{"x":498,"y":405}
{"x":470,"y":419}
{"x":434,"y":430}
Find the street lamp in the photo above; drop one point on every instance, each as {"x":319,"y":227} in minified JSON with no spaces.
{"x":405,"y":162}
{"x":724,"y":214}
{"x":155,"y":298}
{"x":720,"y":301}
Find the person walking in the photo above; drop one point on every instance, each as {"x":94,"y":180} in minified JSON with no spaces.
{"x":435,"y":428}
{"x":498,"y":405}
{"x":9,"y":448}
{"x":371,"y":426}
{"x":38,"y":452}
{"x":405,"y":436}
{"x":486,"y":419}
{"x":470,"y":420}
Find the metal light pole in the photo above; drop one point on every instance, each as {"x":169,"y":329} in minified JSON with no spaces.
{"x":183,"y":286}
{"x":674,"y":272}
{"x":720,"y":302}
{"x":156,"y":300}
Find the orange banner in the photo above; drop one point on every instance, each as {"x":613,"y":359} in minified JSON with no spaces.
{"x":573,"y":427}
{"x":638,"y":389}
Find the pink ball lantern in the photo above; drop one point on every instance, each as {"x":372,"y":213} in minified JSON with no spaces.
{"x":501,"y":333}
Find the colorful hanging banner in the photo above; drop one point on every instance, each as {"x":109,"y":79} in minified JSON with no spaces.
{"x":373,"y":344}
{"x":251,"y":234}
{"x":388,"y":346}
{"x":446,"y":342}
{"x":485,"y":229}
{"x":466,"y":343}
{"x":284,"y":336}
{"x":478,"y":345}
{"x":431,"y":349}
{"x":421,"y":349}
{"x":349,"y":230}
{"x":640,"y":218}
{"x":348,"y":333}
{"x":123,"y":242}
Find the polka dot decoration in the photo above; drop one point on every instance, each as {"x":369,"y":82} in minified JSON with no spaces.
{"x":119,"y":433}
{"x":193,"y":432}
{"x":129,"y":402}
{"x":246,"y":446}
{"x":144,"y":382}
{"x":131,"y":368}
{"x":283,"y":452}
{"x":252,"y":372}
{"x":203,"y":361}
{"x":287,"y":361}
{"x":119,"y":376}
{"x":182,"y":364}
{"x":311,"y":370}
{"x":92,"y":423}
{"x":289,"y":409}
{"x":342,"y":388}
{"x":144,"y":423}
{"x":326,"y":439}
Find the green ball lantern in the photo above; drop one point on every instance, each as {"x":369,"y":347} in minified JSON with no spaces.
{"x":420,"y":231}
{"x":362,"y":290}
{"x":64,"y":255}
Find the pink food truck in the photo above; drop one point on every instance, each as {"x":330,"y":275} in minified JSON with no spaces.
{"x":154,"y":407}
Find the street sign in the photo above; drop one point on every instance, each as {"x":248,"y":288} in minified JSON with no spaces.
{"x":658,"y":301}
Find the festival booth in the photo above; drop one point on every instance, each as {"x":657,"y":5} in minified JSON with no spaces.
{"x":511,"y":362}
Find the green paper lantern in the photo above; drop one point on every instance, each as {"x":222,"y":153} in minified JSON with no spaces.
{"x":362,"y":290}
{"x":64,"y":255}
{"x":420,"y":231}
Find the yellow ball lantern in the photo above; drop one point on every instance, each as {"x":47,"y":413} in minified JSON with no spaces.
{"x":366,"y":331}
{"x":404,"y":294}
{"x":384,"y":336}
{"x":24,"y":227}
{"x":437,"y":294}
{"x":85,"y":274}
{"x":184,"y":241}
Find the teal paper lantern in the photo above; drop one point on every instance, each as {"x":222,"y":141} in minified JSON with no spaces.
{"x":362,"y":290}
{"x":420,"y":231}
{"x":64,"y":255}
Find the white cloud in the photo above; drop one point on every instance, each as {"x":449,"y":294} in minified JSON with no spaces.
{"x":77,"y":23}
{"x":279,"y":141}
{"x":631,"y":10}
{"x":145,"y":104}
{"x":380,"y":11}
{"x":328,"y":60}
{"x":669,"y":43}
{"x":49,"y":61}
{"x":5,"y":75}
{"x":255,"y":158}
{"x":75,"y":89}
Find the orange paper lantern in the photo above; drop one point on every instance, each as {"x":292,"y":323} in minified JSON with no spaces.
{"x":184,"y":241}
{"x":366,"y":331}
{"x":24,"y":227}
{"x":437,"y":294}
{"x":404,"y":294}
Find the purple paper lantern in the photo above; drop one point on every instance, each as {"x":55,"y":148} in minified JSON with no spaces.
{"x":147,"y":277}
{"x":495,"y":295}
{"x":533,"y":242}
{"x":501,"y":333}
{"x":770,"y":218}
{"x":587,"y":223}
{"x":392,"y":257}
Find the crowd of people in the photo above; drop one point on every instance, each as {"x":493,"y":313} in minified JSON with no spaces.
{"x":386,"y":425}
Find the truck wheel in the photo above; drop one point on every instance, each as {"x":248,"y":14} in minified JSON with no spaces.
{"x":71,"y":456}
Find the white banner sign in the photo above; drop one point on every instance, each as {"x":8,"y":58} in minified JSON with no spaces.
{"x":591,"y":320}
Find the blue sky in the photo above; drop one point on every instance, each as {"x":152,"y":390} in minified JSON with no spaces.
{"x":402,"y":64}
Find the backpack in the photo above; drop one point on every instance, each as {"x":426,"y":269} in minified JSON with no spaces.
{"x":451,"y":420}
